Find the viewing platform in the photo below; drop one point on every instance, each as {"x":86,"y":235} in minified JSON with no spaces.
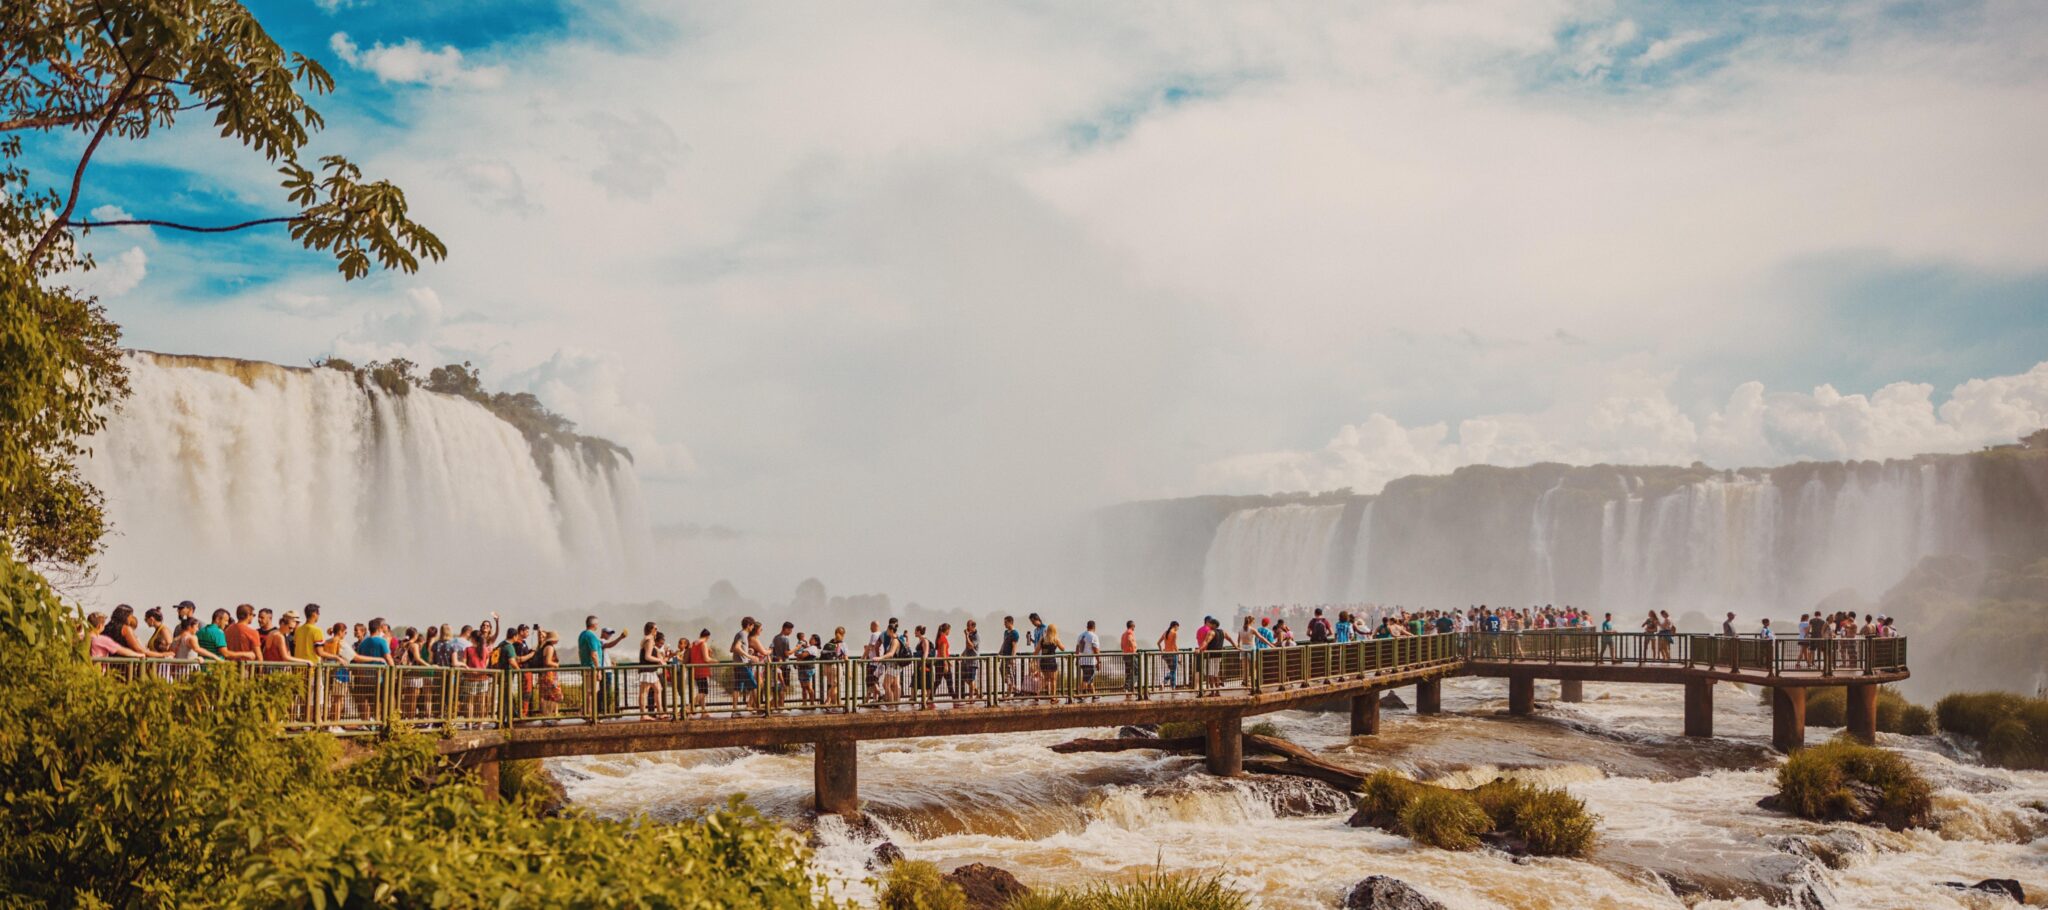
{"x":488,"y":716}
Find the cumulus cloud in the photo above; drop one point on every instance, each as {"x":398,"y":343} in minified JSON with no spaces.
{"x":1641,"y":425}
{"x":410,"y":62}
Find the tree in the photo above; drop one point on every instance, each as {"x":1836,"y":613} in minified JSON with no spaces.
{"x":124,"y":70}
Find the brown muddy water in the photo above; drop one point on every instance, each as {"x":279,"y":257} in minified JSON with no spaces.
{"x":1679,"y":824}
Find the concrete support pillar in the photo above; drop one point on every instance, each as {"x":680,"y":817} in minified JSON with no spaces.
{"x":1571,"y":690}
{"x":1521,"y":695}
{"x":836,"y":778}
{"x":1365,"y":714}
{"x":1788,"y":719}
{"x":487,"y":776}
{"x":1429,"y":696}
{"x":1862,"y":705}
{"x":1225,"y":746}
{"x":1699,"y":708}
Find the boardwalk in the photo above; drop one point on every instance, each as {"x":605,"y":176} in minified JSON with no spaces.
{"x":488,"y":716}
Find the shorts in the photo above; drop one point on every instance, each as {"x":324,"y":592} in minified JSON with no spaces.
{"x":703,"y":687}
{"x":650,"y":676}
{"x":1088,"y":673}
{"x":743,"y":680}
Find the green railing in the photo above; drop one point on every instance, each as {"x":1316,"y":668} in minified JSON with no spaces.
{"x":1740,"y":654}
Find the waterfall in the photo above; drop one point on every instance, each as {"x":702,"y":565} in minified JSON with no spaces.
{"x":233,"y":481}
{"x":1271,"y":555}
{"x":1690,"y":540}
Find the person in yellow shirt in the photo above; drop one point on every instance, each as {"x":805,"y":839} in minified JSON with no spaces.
{"x":306,"y":638}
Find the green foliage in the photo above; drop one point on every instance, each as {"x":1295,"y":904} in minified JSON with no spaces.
{"x":2011,"y":729}
{"x":1152,"y":892}
{"x":60,"y":367}
{"x":918,"y":885}
{"x":1552,"y":822}
{"x":1182,"y":729}
{"x":127,"y":68}
{"x":1445,"y":819}
{"x":1829,"y":707}
{"x":1265,"y":728}
{"x":1844,"y":779}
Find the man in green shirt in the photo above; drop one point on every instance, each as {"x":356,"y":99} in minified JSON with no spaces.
{"x":213,"y":637}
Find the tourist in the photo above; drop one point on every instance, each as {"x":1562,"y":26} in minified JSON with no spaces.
{"x":547,"y":684}
{"x":808,"y":652}
{"x":263,"y":623}
{"x":307,"y":637}
{"x":889,"y":656}
{"x":921,"y":652}
{"x":104,"y":641}
{"x":971,"y":667}
{"x":1127,"y":645}
{"x":1048,"y":664}
{"x":1213,"y":646}
{"x":1319,"y":631}
{"x":1007,"y":652}
{"x":185,"y":643}
{"x":743,"y":679}
{"x":591,"y":645}
{"x":1169,"y":647}
{"x":779,"y":650}
{"x":651,"y":658}
{"x":159,"y":644}
{"x":700,"y":657}
{"x":1086,"y":647}
{"x":243,"y":643}
{"x":1667,"y":631}
{"x":942,"y":645}
{"x":340,"y":697}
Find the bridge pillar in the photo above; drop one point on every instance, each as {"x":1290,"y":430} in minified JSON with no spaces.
{"x":1788,"y":719}
{"x":1365,"y":713}
{"x":836,"y":777}
{"x":1571,"y":690}
{"x":1521,"y":695}
{"x":1862,"y":706}
{"x":1429,"y":696}
{"x":1225,"y":746}
{"x":1699,"y":707}
{"x":487,"y":777}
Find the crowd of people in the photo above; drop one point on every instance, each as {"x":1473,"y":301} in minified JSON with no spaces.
{"x":915,"y":665}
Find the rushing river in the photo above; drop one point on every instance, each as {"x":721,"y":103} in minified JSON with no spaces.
{"x":1679,"y":824}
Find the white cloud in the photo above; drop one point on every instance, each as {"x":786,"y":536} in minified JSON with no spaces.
{"x":1639,"y":424}
{"x":1665,"y":48}
{"x":592,"y":389}
{"x":410,"y":62}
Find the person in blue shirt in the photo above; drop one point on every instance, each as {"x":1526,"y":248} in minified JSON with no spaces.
{"x":1343,"y":628}
{"x":590,"y":648}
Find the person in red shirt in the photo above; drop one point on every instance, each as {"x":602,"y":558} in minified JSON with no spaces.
{"x":700,"y":669}
{"x":244,"y":643}
{"x":945,"y":650}
{"x":277,"y":646}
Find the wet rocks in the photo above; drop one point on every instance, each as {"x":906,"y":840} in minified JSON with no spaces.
{"x":2001,"y":886}
{"x":886,"y":854}
{"x":987,"y":887}
{"x":1138,"y":731}
{"x":1383,"y":893}
{"x":1781,"y":881}
{"x":1832,"y":849}
{"x":1390,"y":700}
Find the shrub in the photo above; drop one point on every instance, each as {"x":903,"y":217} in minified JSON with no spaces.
{"x":1182,"y":729}
{"x":1554,"y":823}
{"x":1844,"y":779}
{"x":1446,"y":819}
{"x":918,"y":885}
{"x":2012,"y":730}
{"x":1829,"y":707}
{"x":1153,"y":892}
{"x":1265,"y":728}
{"x":1386,"y":793}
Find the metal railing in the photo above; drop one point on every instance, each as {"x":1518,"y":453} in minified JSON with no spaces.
{"x":368,"y":698}
{"x":1861,"y":656}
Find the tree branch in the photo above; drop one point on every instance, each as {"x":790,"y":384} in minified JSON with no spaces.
{"x":78,"y":175}
{"x":194,"y":228}
{"x":45,"y":121}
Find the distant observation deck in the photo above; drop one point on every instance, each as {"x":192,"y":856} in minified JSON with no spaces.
{"x":489,"y":716}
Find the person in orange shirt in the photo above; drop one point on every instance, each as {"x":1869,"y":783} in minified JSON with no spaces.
{"x":244,"y":643}
{"x":700,"y":669}
{"x":1128,"y":644}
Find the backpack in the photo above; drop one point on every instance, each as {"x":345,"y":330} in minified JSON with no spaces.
{"x":1318,"y":630}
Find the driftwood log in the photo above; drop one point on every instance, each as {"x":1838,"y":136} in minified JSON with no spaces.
{"x":1291,"y":759}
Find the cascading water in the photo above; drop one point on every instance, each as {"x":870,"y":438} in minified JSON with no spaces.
{"x":1273,"y":554}
{"x":1684,"y":539}
{"x":231,"y":481}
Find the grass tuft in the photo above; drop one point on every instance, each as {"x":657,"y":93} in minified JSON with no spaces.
{"x":918,"y":885}
{"x":2012,"y":730}
{"x":1845,"y":779}
{"x":1152,"y":892}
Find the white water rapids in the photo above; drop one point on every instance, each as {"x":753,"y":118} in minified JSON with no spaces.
{"x":233,"y":481}
{"x":1675,"y":813}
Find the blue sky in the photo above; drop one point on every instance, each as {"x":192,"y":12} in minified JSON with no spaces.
{"x":824,"y":267}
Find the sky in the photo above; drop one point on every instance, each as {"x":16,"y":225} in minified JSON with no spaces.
{"x":929,"y":274}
